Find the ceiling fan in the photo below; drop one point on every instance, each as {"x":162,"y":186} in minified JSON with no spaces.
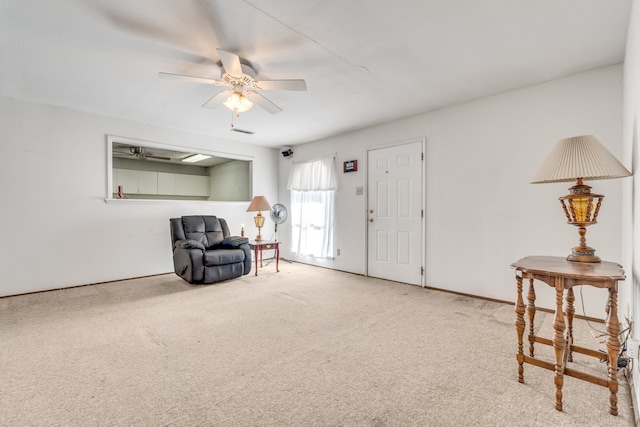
{"x":139,"y":153}
{"x":244,"y":86}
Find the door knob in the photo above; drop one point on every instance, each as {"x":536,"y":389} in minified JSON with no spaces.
{"x":370,"y":219}
{"x":370,"y":210}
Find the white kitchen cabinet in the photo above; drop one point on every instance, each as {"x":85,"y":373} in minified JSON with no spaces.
{"x":128,"y":180}
{"x":166,"y":183}
{"x":147,"y":182}
{"x":160,"y":183}
{"x":135,"y":182}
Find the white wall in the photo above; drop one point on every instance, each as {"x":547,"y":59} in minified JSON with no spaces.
{"x":630,"y":291}
{"x":481,"y":154}
{"x":229,"y":181}
{"x":482,"y":213}
{"x":57,"y":229}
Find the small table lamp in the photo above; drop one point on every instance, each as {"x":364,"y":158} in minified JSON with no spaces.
{"x":580,"y":158}
{"x":258,"y":204}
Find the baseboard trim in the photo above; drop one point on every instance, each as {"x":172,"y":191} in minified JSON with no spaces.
{"x":82,"y":286}
{"x":546,"y":310}
{"x":512,"y":303}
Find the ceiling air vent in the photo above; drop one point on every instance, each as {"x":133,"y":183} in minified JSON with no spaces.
{"x":248,"y":132}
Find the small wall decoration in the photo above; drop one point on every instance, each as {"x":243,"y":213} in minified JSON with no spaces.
{"x":350,"y":166}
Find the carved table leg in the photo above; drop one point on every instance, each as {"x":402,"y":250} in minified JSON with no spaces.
{"x":613,"y":348}
{"x":520,"y":329}
{"x":559,"y":341}
{"x":570,"y":310}
{"x":531,"y":310}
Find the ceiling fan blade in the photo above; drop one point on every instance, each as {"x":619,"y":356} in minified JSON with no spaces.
{"x":158,"y":158}
{"x":192,"y":78}
{"x":230,"y":62}
{"x":263,"y":102}
{"x":296,"y":84}
{"x":217,"y":99}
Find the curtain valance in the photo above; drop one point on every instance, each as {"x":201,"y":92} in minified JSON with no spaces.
{"x":318,"y":175}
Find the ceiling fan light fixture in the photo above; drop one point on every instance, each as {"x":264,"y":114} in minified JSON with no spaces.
{"x":238,"y":103}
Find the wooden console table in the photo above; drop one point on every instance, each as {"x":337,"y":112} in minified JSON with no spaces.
{"x":259,"y":245}
{"x":563,"y":275}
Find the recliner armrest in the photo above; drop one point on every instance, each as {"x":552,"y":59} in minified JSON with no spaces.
{"x":232,"y":242}
{"x":189,"y":244}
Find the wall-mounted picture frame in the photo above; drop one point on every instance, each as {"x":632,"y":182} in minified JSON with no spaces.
{"x":350,"y":166}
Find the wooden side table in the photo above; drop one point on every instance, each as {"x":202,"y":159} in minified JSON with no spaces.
{"x":259,"y":245}
{"x":563,"y":275}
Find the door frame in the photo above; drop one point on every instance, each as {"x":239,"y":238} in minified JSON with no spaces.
{"x":423,"y":234}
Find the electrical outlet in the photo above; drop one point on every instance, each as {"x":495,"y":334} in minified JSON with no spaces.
{"x":633,"y":347}
{"x":359,"y":191}
{"x":338,"y":252}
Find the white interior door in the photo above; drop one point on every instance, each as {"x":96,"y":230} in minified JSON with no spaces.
{"x":395,"y":213}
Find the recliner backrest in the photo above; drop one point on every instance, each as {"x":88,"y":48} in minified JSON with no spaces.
{"x":208,"y":230}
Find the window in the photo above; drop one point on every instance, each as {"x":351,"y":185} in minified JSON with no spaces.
{"x":312,"y":186}
{"x":146,"y":170}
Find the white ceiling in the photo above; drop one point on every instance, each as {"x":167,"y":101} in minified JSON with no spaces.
{"x":364,"y":61}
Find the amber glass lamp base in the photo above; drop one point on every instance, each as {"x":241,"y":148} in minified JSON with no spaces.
{"x":581,"y":207}
{"x":259,"y":221}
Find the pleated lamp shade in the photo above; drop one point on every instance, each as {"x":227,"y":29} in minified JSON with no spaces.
{"x":259,"y":203}
{"x":579,"y":157}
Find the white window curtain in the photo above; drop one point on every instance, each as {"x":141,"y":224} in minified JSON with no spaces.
{"x":312,"y":186}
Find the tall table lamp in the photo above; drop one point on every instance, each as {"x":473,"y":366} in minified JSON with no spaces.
{"x":258,"y":204}
{"x":580,"y":158}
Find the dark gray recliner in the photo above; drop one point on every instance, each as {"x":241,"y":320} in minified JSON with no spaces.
{"x":205,"y":252}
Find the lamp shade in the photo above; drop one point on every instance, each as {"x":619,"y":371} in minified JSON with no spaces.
{"x":579,"y":157}
{"x":259,"y":203}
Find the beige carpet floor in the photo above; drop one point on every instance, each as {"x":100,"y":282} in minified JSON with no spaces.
{"x":304,"y":347}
